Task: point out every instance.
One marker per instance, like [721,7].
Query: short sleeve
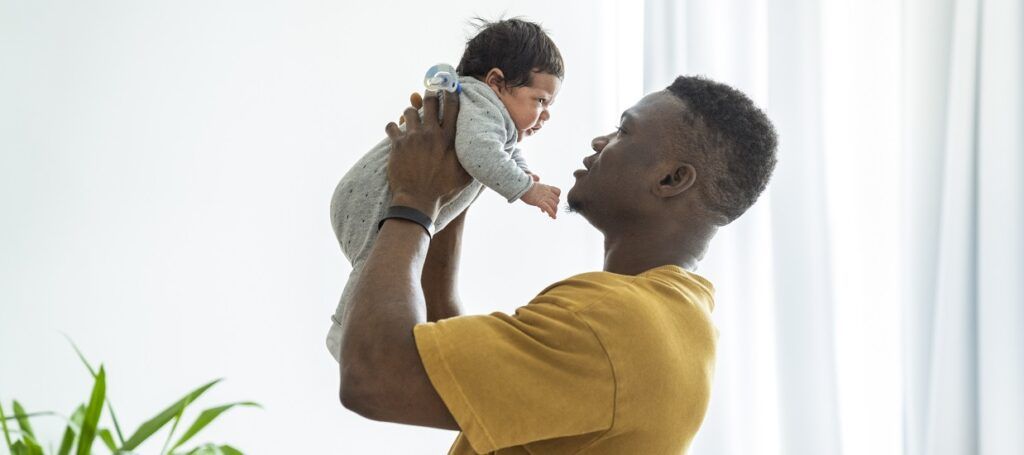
[539,374]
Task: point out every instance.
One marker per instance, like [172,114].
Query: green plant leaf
[108,440]
[80,355]
[68,441]
[3,424]
[110,406]
[32,446]
[22,416]
[36,414]
[153,425]
[206,449]
[206,417]
[174,426]
[92,413]
[198,450]
[228,450]
[212,449]
[117,426]
[19,448]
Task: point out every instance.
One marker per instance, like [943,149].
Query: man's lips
[586,168]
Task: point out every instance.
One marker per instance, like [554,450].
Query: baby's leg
[336,331]
[358,202]
[353,215]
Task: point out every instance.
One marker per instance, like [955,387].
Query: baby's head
[518,60]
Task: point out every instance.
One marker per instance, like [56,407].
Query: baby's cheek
[523,121]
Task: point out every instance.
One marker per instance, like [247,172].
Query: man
[611,362]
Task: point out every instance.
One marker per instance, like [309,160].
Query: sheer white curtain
[873,301]
[965,227]
[775,389]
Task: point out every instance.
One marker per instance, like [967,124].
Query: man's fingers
[557,191]
[392,130]
[412,119]
[451,113]
[416,101]
[430,104]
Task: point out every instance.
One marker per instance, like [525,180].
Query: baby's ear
[495,78]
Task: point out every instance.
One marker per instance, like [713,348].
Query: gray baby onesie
[485,142]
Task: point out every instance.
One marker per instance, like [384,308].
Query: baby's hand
[543,196]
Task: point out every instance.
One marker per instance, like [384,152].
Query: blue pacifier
[442,77]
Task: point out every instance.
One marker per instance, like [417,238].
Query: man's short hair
[734,140]
[516,47]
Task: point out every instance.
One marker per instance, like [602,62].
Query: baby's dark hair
[515,46]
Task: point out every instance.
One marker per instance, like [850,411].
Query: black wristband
[407,213]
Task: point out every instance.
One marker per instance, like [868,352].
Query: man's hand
[423,170]
[416,101]
[543,196]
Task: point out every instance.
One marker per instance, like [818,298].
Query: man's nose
[599,143]
[545,115]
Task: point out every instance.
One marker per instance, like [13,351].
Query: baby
[510,73]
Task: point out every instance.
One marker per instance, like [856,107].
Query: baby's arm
[480,145]
[544,197]
[517,156]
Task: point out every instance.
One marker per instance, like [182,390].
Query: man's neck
[631,253]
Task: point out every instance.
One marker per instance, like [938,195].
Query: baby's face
[528,105]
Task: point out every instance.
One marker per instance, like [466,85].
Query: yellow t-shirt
[600,363]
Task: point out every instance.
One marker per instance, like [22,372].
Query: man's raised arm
[441,271]
[382,376]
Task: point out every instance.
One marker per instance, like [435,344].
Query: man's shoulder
[624,292]
[582,290]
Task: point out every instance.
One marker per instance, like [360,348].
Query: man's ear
[495,79]
[679,179]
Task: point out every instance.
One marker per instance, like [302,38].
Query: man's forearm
[440,306]
[382,376]
[386,304]
[440,272]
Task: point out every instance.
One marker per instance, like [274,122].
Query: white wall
[165,173]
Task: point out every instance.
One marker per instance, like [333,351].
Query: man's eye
[620,130]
